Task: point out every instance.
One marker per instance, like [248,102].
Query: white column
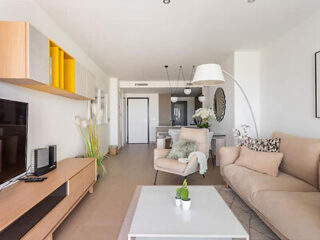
[114,110]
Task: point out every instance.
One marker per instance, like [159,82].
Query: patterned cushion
[182,149]
[262,145]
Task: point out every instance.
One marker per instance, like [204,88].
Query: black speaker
[45,160]
[53,156]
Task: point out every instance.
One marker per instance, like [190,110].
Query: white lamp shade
[208,75]
[201,98]
[187,91]
[174,99]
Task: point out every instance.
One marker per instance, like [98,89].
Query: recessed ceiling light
[166,1]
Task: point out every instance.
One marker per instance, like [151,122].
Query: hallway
[100,215]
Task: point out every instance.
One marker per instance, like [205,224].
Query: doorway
[137,120]
[179,113]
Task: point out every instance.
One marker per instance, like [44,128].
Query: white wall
[190,108]
[51,118]
[114,111]
[287,86]
[153,111]
[247,73]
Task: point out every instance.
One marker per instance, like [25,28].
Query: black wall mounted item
[45,160]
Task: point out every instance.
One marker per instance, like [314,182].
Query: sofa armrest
[228,155]
[159,153]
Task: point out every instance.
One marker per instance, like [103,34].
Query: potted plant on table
[182,196]
[178,197]
[203,117]
[185,200]
[88,129]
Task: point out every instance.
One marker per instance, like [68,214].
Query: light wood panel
[18,198]
[13,50]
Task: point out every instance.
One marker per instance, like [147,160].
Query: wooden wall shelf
[29,59]
[15,200]
[32,84]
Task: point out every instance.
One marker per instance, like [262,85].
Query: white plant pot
[178,202]
[186,204]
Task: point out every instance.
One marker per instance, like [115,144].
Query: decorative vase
[186,204]
[113,150]
[178,201]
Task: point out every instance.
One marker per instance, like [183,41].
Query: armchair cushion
[198,135]
[171,165]
[182,149]
[158,154]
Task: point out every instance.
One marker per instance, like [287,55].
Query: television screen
[13,138]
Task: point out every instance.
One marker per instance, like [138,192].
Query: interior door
[138,120]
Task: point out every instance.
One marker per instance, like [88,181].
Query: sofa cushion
[247,182]
[264,162]
[301,157]
[263,144]
[295,214]
[171,165]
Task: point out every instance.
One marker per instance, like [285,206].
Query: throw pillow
[182,149]
[264,162]
[262,145]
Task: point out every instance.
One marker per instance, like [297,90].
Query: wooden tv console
[75,176]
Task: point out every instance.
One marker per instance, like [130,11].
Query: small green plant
[185,184]
[178,193]
[184,191]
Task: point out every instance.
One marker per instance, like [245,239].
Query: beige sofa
[289,203]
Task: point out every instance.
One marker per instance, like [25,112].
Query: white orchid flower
[84,123]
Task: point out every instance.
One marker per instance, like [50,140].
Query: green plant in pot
[178,197]
[89,133]
[186,201]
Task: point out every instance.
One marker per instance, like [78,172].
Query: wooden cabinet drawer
[76,185]
[89,175]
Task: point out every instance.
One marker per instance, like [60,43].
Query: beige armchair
[162,163]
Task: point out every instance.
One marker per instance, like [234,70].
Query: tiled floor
[100,215]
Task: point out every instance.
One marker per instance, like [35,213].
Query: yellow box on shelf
[62,68]
[54,53]
[69,66]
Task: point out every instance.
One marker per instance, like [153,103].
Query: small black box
[45,160]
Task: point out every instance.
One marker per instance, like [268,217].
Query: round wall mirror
[219,104]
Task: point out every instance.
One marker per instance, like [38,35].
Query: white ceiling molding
[155,84]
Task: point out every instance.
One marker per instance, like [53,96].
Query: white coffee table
[157,217]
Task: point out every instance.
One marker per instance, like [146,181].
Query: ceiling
[134,39]
[178,92]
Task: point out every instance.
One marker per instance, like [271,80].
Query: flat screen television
[13,139]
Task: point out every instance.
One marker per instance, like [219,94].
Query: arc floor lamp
[211,75]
